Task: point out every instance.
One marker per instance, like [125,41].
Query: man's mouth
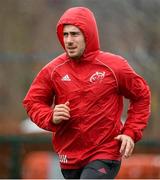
[71,48]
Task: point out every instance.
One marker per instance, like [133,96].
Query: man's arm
[134,88]
[39,99]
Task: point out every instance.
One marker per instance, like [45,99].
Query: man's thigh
[71,173]
[101,169]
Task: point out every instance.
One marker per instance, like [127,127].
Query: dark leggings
[98,169]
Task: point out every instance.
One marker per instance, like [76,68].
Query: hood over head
[82,18]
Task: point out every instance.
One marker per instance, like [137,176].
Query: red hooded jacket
[95,88]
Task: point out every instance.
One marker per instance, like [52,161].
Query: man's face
[74,41]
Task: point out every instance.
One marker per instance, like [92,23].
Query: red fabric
[84,19]
[95,87]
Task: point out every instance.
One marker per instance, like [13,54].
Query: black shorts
[98,169]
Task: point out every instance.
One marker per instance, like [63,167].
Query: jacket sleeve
[134,88]
[39,99]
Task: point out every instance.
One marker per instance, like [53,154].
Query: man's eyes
[71,33]
[65,34]
[75,33]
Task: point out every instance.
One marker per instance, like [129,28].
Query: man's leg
[71,173]
[101,169]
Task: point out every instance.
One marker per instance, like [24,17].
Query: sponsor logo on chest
[66,78]
[97,76]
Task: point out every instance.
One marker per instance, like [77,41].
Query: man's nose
[69,39]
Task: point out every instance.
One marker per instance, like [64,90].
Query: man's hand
[61,112]
[127,145]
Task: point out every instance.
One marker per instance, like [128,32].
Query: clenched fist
[61,112]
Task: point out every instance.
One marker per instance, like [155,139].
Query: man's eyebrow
[72,31]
